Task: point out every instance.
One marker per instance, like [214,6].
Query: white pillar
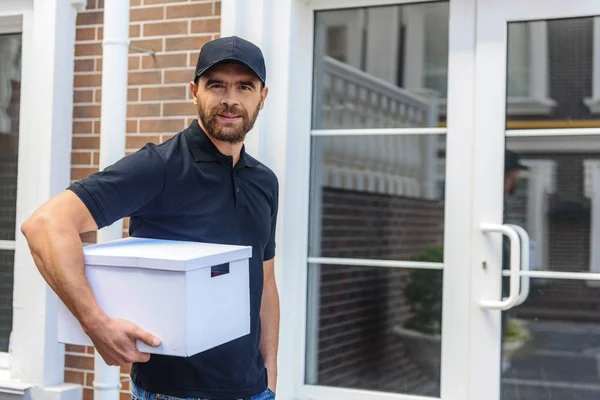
[115,55]
[44,171]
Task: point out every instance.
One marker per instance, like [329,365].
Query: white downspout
[115,56]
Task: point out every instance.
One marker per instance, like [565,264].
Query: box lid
[168,255]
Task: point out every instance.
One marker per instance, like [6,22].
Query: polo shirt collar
[204,149]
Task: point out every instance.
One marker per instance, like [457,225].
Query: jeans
[137,393]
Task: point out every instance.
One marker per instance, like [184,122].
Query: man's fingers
[146,337]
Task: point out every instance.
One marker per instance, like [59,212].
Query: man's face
[510,182]
[229,98]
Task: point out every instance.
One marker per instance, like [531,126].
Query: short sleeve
[269,252]
[131,186]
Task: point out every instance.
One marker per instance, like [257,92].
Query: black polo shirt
[185,189]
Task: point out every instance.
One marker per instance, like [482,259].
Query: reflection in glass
[381,67]
[551,348]
[552,341]
[377,197]
[6,290]
[10,90]
[376,328]
[553,79]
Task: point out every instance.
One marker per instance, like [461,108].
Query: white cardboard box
[166,288]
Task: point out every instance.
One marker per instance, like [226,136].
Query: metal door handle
[525,261]
[515,267]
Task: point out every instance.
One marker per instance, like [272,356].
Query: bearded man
[199,186]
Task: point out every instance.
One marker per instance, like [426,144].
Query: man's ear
[194,91]
[263,96]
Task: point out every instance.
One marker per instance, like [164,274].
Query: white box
[166,288]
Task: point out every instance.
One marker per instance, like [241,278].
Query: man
[512,167]
[201,186]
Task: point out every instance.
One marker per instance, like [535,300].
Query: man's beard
[231,132]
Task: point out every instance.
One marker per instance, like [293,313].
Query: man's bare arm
[269,317]
[52,233]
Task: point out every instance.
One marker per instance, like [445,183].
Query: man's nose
[230,98]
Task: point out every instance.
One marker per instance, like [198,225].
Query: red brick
[134,30]
[135,3]
[143,110]
[132,126]
[74,377]
[148,44]
[89,379]
[179,109]
[82,127]
[126,369]
[91,4]
[81,159]
[164,61]
[97,126]
[90,349]
[78,173]
[100,4]
[164,93]
[98,96]
[134,62]
[95,158]
[91,143]
[88,49]
[145,78]
[161,125]
[88,237]
[132,94]
[151,2]
[88,394]
[86,112]
[79,362]
[90,18]
[147,14]
[186,43]
[124,396]
[83,96]
[100,33]
[137,141]
[74,348]
[211,25]
[85,34]
[125,226]
[165,28]
[86,65]
[179,76]
[88,80]
[218,8]
[190,11]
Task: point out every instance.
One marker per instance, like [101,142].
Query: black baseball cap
[231,48]
[512,162]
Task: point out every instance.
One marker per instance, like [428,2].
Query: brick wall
[359,306]
[159,102]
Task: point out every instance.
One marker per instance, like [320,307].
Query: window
[10,73]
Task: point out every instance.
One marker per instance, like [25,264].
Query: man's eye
[245,87]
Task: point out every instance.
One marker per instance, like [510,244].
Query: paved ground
[561,363]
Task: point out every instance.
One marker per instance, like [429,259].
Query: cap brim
[209,66]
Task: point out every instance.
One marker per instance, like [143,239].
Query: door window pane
[551,343]
[551,67]
[381,67]
[10,77]
[377,197]
[376,328]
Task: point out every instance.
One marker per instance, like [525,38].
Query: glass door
[535,268]
[386,299]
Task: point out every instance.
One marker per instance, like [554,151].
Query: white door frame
[488,172]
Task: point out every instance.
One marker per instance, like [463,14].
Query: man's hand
[115,340]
